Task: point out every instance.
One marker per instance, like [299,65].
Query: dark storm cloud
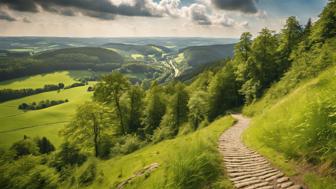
[7,17]
[20,5]
[103,9]
[246,6]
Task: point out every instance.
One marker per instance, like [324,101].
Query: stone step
[255,186]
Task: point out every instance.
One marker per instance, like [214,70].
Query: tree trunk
[120,116]
[96,134]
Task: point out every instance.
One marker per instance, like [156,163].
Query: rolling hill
[198,55]
[84,54]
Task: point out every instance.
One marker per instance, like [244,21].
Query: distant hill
[145,50]
[84,54]
[198,55]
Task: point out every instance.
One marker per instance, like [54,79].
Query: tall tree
[325,27]
[90,124]
[290,36]
[264,54]
[110,90]
[223,91]
[135,104]
[177,109]
[154,109]
[198,108]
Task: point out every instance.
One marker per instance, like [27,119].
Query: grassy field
[45,122]
[298,132]
[38,81]
[189,157]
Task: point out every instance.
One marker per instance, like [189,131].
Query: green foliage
[325,27]
[110,90]
[301,125]
[134,106]
[45,146]
[91,123]
[290,36]
[25,146]
[89,175]
[196,167]
[27,172]
[223,92]
[41,105]
[126,144]
[198,108]
[177,109]
[154,109]
[69,154]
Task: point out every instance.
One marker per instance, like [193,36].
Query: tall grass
[302,126]
[197,166]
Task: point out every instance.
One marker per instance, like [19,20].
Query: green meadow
[45,122]
[38,81]
[188,161]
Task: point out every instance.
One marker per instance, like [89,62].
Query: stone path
[246,168]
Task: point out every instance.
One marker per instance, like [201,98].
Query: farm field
[45,122]
[38,81]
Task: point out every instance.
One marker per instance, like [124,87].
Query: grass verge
[189,161]
[298,132]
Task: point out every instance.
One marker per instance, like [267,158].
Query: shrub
[70,154]
[126,144]
[196,167]
[25,146]
[162,133]
[89,175]
[45,146]
[104,148]
[41,105]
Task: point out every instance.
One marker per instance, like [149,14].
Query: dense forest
[124,117]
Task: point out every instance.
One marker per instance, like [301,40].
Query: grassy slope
[38,81]
[45,122]
[278,132]
[164,153]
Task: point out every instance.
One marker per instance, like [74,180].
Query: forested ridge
[124,117]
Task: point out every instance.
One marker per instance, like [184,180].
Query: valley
[86,102]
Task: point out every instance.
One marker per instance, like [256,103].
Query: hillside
[82,54]
[300,127]
[142,49]
[198,55]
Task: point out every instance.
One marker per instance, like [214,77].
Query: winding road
[246,168]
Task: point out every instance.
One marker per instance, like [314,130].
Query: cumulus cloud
[96,8]
[246,6]
[200,12]
[6,16]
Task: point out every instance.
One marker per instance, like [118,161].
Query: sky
[150,18]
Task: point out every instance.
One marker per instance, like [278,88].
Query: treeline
[10,94]
[11,68]
[41,105]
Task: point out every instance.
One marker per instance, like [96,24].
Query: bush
[197,166]
[162,133]
[25,146]
[27,172]
[41,105]
[89,175]
[71,155]
[126,144]
[45,146]
[104,148]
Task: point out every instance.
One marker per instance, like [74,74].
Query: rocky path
[246,168]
